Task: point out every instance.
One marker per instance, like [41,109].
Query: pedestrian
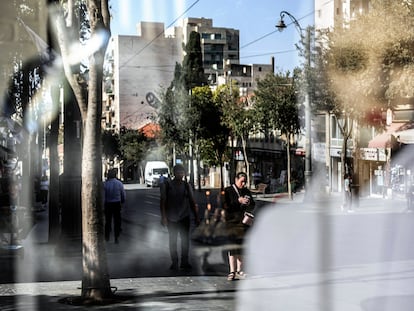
[114,198]
[10,204]
[162,179]
[237,200]
[177,201]
[44,190]
[348,193]
[257,178]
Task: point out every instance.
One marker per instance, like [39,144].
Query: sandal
[231,276]
[240,275]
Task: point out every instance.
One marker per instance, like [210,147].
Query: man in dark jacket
[176,203]
[114,198]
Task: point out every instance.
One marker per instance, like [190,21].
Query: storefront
[374,170]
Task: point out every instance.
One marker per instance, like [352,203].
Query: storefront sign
[382,155]
[336,153]
[369,154]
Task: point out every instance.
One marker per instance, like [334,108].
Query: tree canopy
[276,103]
[370,63]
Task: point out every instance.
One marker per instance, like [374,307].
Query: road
[142,250]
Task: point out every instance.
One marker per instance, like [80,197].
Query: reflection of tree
[366,68]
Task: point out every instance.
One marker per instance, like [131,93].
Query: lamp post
[308,143]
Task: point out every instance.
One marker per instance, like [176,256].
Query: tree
[132,144]
[212,134]
[171,114]
[277,109]
[193,70]
[177,117]
[236,116]
[366,67]
[193,75]
[95,279]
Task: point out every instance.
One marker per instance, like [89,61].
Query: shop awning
[405,137]
[383,140]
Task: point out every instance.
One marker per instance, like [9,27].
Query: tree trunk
[95,281]
[289,186]
[95,277]
[246,161]
[54,172]
[343,154]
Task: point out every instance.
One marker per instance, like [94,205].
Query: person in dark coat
[177,202]
[238,200]
[114,198]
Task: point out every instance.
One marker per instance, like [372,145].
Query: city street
[299,254]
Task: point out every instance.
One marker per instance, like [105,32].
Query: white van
[153,172]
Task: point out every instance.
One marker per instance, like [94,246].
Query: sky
[256,20]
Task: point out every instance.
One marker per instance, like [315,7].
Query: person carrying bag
[238,204]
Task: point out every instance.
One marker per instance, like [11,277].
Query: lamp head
[281,25]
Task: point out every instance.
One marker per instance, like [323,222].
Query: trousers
[180,228]
[112,212]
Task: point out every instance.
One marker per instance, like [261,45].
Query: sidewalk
[167,293]
[331,203]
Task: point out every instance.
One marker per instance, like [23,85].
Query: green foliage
[276,104]
[350,59]
[180,114]
[193,70]
[170,117]
[369,65]
[133,145]
[110,144]
[236,114]
[211,132]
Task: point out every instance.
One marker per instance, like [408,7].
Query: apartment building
[143,65]
[336,13]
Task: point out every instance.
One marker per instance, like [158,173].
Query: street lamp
[308,144]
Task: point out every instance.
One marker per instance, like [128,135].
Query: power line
[160,34]
[272,32]
[270,53]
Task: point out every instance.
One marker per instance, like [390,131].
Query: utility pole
[308,119]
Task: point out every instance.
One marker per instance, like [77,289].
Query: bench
[261,189]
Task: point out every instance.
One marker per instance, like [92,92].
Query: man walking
[114,198]
[348,192]
[176,203]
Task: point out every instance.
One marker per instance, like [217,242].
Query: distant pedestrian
[114,198]
[44,190]
[238,200]
[257,178]
[348,192]
[177,201]
[162,179]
